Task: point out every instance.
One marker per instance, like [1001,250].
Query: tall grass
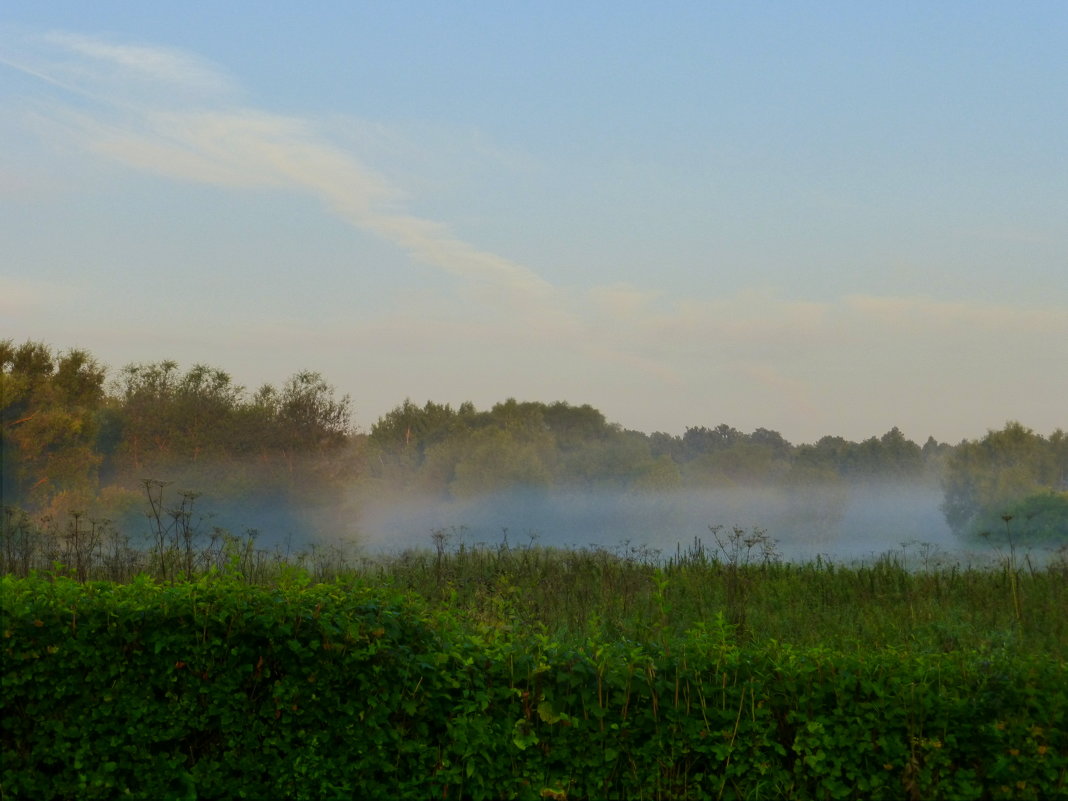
[631,593]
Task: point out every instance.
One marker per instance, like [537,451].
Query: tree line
[72,438]
[464,451]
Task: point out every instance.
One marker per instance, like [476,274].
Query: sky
[818,218]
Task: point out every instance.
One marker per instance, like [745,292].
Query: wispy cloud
[96,67]
[204,140]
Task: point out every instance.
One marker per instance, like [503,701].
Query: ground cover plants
[493,671]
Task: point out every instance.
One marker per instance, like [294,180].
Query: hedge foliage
[217,689]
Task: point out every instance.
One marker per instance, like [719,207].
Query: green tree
[205,403]
[575,426]
[726,456]
[411,427]
[899,456]
[145,396]
[498,458]
[309,414]
[700,440]
[985,479]
[403,440]
[668,445]
[163,422]
[773,441]
[1038,518]
[1058,444]
[618,460]
[49,405]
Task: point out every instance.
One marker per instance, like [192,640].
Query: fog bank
[839,523]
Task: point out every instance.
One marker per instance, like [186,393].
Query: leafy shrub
[1041,518]
[218,689]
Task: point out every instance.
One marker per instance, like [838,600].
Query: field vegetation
[907,599]
[526,672]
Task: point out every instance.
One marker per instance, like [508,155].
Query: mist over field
[181,460]
[842,523]
[839,523]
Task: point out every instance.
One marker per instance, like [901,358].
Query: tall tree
[984,479]
[310,416]
[49,406]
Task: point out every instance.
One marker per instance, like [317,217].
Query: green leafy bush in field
[1038,518]
[219,689]
[227,688]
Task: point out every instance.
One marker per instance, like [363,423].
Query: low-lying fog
[842,524]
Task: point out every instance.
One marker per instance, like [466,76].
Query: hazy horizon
[843,523]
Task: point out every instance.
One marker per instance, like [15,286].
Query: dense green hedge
[218,689]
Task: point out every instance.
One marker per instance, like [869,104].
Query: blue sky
[821,218]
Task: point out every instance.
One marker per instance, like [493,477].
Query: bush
[218,689]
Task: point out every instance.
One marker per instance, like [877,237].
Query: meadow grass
[626,593]
[580,593]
